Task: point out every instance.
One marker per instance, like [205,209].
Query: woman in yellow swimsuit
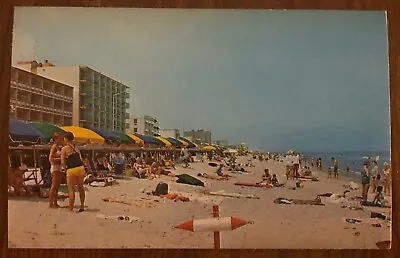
[71,161]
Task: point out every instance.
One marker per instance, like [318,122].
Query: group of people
[293,164]
[375,181]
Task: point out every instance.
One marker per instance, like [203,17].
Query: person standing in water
[55,169]
[71,161]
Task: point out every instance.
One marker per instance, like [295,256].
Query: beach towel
[372,222]
[128,219]
[210,176]
[189,180]
[316,201]
[213,164]
[176,197]
[253,184]
[233,195]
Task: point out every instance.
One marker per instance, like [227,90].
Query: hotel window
[135,130]
[135,121]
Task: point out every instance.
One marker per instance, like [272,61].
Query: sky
[276,80]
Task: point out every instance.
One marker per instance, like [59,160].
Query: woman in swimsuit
[55,169]
[365,181]
[71,161]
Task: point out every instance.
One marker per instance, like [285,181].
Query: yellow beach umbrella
[290,152]
[377,158]
[189,142]
[135,138]
[165,141]
[183,142]
[83,135]
[209,148]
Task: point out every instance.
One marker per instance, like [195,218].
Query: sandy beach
[33,225]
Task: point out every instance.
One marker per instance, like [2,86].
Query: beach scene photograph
[191,128]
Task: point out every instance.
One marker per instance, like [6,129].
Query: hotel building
[35,98]
[99,101]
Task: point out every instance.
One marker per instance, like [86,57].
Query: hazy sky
[308,80]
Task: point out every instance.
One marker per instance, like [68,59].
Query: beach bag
[189,180]
[161,189]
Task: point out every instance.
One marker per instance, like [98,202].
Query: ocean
[352,159]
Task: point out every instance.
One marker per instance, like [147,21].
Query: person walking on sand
[365,181]
[374,175]
[55,169]
[71,161]
[335,168]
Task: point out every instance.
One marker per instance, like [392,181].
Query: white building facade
[145,125]
[174,133]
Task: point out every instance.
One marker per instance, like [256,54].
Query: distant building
[174,133]
[36,98]
[98,100]
[199,136]
[145,125]
[223,143]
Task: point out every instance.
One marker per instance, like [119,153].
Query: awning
[47,130]
[190,143]
[83,135]
[135,138]
[21,132]
[149,139]
[165,141]
[209,148]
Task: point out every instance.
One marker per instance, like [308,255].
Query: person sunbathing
[140,167]
[220,173]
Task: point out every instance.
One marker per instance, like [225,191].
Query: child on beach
[275,182]
[329,172]
[379,197]
[266,178]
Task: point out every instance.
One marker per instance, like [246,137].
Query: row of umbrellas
[41,133]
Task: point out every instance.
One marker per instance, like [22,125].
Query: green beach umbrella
[47,130]
[124,138]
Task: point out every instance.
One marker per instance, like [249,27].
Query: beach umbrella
[135,138]
[183,142]
[107,135]
[209,148]
[47,130]
[165,141]
[21,132]
[84,135]
[124,138]
[149,139]
[174,141]
[190,143]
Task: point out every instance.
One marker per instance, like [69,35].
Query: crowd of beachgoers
[197,179]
